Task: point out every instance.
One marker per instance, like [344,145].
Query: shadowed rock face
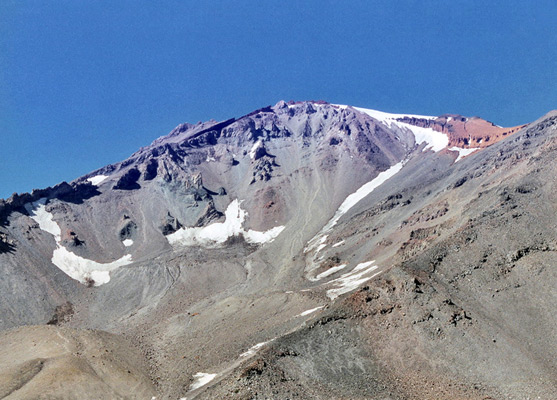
[434,273]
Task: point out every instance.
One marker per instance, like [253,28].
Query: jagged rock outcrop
[349,258]
[128,181]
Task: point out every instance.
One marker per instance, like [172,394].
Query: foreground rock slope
[305,250]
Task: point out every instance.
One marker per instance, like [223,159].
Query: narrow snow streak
[76,267]
[97,180]
[462,152]
[253,349]
[310,311]
[363,191]
[315,243]
[218,232]
[330,271]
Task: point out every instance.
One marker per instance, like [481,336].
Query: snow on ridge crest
[97,180]
[217,233]
[436,141]
[383,116]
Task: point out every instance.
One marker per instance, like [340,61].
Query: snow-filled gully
[361,273]
[76,267]
[317,243]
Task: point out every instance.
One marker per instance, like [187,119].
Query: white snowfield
[127,242]
[435,140]
[218,232]
[462,152]
[76,267]
[97,180]
[352,280]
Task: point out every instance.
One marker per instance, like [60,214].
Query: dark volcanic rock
[151,170]
[170,225]
[128,181]
[127,229]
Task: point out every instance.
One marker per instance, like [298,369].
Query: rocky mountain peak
[333,241]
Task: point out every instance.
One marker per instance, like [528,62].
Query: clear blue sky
[86,83]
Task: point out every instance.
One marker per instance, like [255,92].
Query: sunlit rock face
[292,245]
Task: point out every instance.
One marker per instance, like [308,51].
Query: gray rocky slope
[439,283]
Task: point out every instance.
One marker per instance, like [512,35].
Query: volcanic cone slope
[305,250]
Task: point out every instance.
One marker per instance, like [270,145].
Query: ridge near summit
[352,253]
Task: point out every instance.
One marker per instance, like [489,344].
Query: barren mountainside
[303,251]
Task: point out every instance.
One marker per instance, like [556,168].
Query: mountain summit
[304,250]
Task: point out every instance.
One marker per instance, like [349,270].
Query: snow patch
[352,280]
[319,244]
[97,180]
[209,159]
[219,232]
[330,271]
[37,212]
[436,141]
[463,152]
[338,243]
[258,237]
[82,269]
[310,311]
[201,379]
[254,148]
[76,267]
[321,247]
[127,242]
